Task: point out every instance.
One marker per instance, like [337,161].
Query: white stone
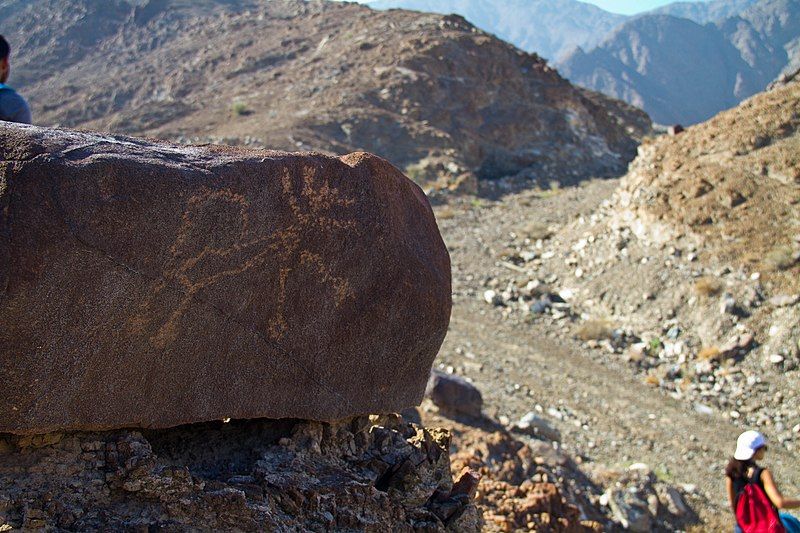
[492,297]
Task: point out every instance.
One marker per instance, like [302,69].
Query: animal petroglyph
[198,261]
[153,286]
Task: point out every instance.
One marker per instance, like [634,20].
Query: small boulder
[536,426]
[454,394]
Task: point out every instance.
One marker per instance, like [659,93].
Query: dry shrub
[536,231]
[445,213]
[709,353]
[595,330]
[707,287]
[239,109]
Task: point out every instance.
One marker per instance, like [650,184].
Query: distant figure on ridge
[752,493]
[13,107]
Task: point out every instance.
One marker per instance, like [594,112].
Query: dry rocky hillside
[437,97]
[607,342]
[648,319]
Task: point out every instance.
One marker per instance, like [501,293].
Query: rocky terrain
[443,101]
[608,340]
[361,474]
[554,28]
[644,324]
[682,71]
[682,63]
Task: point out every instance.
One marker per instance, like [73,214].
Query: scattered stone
[776,359]
[492,297]
[536,426]
[540,306]
[454,394]
[727,304]
[674,130]
[784,300]
[631,512]
[703,409]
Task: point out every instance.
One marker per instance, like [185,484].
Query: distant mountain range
[704,12]
[682,72]
[682,63]
[551,28]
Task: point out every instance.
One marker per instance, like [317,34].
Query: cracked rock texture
[148,285]
[359,474]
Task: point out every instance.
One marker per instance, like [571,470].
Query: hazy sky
[628,7]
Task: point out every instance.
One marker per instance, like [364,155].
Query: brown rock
[148,285]
[454,394]
[467,483]
[231,477]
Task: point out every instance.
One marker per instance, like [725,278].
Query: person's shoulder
[10,96]
[13,106]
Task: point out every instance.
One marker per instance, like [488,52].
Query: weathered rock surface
[146,285]
[361,474]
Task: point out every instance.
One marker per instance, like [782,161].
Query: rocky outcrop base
[366,474]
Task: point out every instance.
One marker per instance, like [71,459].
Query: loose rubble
[529,483]
[691,313]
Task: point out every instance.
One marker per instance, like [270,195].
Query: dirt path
[605,413]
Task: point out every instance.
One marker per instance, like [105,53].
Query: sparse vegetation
[709,353]
[654,346]
[707,287]
[416,173]
[595,330]
[652,380]
[239,109]
[445,213]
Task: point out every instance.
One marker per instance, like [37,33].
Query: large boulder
[149,285]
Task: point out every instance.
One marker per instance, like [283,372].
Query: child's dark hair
[4,48]
[737,469]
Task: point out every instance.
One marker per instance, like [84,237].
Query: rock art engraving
[151,285]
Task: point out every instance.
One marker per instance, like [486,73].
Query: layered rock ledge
[360,474]
[148,285]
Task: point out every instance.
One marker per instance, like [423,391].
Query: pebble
[776,359]
[784,300]
[727,304]
[492,297]
[703,409]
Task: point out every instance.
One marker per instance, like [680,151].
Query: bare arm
[775,495]
[731,493]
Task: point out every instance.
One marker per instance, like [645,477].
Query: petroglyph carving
[151,286]
[312,202]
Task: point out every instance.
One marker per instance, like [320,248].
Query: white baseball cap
[747,444]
